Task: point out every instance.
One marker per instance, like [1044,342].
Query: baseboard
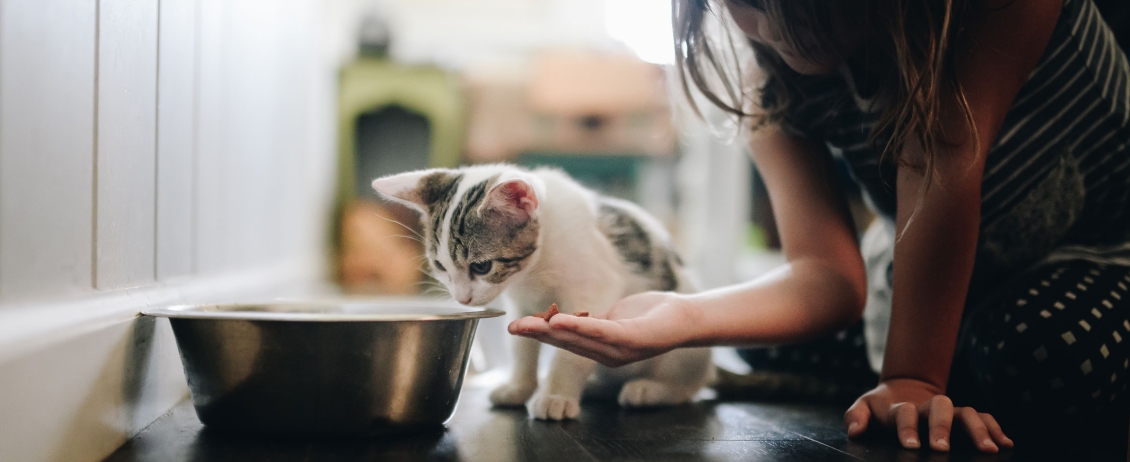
[79,378]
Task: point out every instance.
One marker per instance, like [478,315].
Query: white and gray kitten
[539,237]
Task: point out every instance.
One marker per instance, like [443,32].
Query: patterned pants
[1048,351]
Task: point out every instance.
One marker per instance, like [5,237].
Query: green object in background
[370,84]
[614,175]
[756,238]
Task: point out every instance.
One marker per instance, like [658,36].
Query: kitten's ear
[409,188]
[514,197]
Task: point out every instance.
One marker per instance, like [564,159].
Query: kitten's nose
[465,299]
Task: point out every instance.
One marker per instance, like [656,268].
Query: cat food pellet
[582,314]
[547,314]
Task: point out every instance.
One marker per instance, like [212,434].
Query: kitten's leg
[523,377]
[560,397]
[675,377]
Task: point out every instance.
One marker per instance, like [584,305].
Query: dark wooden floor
[704,431]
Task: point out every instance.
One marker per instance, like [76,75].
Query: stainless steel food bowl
[333,369]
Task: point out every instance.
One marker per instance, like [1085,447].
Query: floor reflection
[703,431]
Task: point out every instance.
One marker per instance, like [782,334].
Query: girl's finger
[939,415]
[995,430]
[977,430]
[582,350]
[905,417]
[528,324]
[596,329]
[598,351]
[566,340]
[857,417]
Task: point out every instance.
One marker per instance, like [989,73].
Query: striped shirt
[1058,174]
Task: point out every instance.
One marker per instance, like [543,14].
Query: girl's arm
[935,253]
[820,289]
[823,285]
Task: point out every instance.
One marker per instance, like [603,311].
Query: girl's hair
[907,46]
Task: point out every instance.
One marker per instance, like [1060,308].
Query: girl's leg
[833,368]
[1051,352]
[842,354]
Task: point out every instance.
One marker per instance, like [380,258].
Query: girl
[991,137]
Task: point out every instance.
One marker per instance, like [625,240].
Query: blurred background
[584,85]
[156,141]
[587,86]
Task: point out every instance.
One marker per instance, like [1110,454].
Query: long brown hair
[908,48]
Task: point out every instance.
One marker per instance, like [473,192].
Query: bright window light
[644,26]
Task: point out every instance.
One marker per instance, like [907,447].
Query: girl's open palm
[635,328]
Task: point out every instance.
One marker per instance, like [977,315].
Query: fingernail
[852,427]
[912,443]
[942,443]
[987,442]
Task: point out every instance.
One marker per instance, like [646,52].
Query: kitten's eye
[439,265]
[480,267]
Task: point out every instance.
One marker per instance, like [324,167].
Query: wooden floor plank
[703,431]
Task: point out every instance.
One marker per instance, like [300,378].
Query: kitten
[540,237]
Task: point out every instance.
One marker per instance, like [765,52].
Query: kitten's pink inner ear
[514,195]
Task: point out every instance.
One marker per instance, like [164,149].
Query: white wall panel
[211,150]
[311,106]
[96,391]
[176,142]
[47,70]
[255,138]
[211,129]
[143,139]
[126,159]
[315,174]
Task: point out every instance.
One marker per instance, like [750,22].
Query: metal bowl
[340,369]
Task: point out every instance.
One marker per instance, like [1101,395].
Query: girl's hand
[902,403]
[635,328]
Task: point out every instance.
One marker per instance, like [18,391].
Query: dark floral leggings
[1049,351]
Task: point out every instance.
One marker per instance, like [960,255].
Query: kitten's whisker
[402,225]
[432,283]
[403,236]
[434,291]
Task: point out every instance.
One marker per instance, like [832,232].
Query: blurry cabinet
[376,90]
[570,102]
[391,118]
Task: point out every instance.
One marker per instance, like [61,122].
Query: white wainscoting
[151,152]
[176,137]
[125,144]
[47,65]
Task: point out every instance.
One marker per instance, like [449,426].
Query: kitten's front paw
[511,394]
[651,393]
[553,407]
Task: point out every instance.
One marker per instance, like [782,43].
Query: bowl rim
[231,311]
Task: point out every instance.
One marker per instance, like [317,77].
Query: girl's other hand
[902,403]
[635,328]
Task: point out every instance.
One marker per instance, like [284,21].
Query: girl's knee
[1056,346]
